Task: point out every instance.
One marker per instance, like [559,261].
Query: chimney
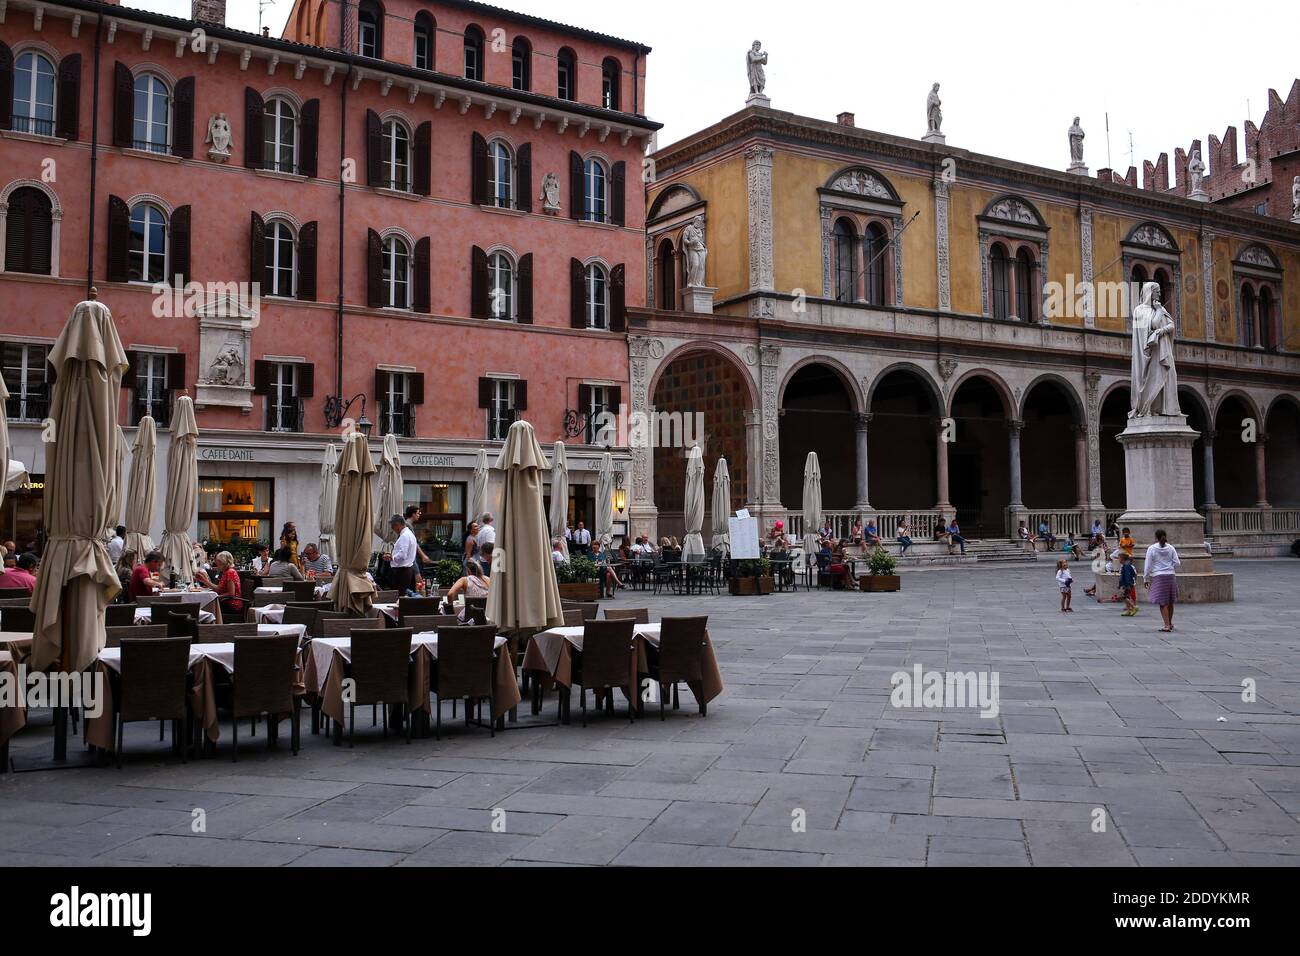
[845,119]
[208,11]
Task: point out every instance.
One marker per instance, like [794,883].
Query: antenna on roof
[262,5]
[1130,147]
[1108,165]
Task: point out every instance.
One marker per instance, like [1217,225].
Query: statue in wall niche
[219,136]
[696,251]
[1076,143]
[1295,198]
[1195,171]
[755,60]
[228,367]
[551,193]
[933,113]
[1154,383]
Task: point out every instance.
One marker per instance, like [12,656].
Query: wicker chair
[154,683]
[381,662]
[573,617]
[465,665]
[146,600]
[181,625]
[344,626]
[431,622]
[315,605]
[10,593]
[386,597]
[263,684]
[475,616]
[681,657]
[639,614]
[221,633]
[603,663]
[292,590]
[22,619]
[589,609]
[120,615]
[113,636]
[306,616]
[407,606]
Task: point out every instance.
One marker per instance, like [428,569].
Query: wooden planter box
[587,591]
[880,582]
[745,586]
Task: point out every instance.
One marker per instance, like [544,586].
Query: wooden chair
[265,669]
[386,597]
[344,626]
[407,606]
[221,633]
[465,665]
[420,623]
[155,673]
[682,641]
[639,614]
[120,615]
[21,619]
[603,662]
[381,662]
[113,636]
[9,593]
[573,617]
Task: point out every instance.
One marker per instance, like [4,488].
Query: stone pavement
[1101,718]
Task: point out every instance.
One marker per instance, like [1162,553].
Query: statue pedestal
[758,99]
[1158,476]
[936,138]
[1200,195]
[1078,169]
[698,298]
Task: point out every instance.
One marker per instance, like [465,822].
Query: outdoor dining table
[13,707]
[17,643]
[204,598]
[551,652]
[326,660]
[321,590]
[144,615]
[203,699]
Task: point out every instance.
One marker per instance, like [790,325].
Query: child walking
[1128,580]
[1064,579]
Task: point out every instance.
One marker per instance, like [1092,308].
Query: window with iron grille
[595,193]
[396,414]
[152,395]
[283,407]
[599,399]
[502,412]
[33,99]
[24,374]
[501,175]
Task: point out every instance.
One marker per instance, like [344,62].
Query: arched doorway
[707,393]
[901,442]
[979,465]
[1283,454]
[817,414]
[1048,449]
[1113,420]
[1234,458]
[666,268]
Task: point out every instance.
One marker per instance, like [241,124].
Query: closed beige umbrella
[560,496]
[478,488]
[4,441]
[77,579]
[329,495]
[812,503]
[181,507]
[693,543]
[117,493]
[352,590]
[604,519]
[390,491]
[140,489]
[721,505]
[523,592]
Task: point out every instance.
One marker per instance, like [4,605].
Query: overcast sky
[1013,75]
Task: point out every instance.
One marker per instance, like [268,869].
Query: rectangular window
[22,519]
[24,374]
[472,67]
[442,519]
[518,71]
[598,402]
[236,510]
[565,81]
[423,50]
[152,396]
[369,39]
[1262,208]
[501,413]
[396,414]
[283,406]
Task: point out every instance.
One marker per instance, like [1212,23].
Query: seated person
[941,533]
[855,533]
[904,535]
[229,589]
[954,536]
[486,550]
[1067,545]
[1025,534]
[557,553]
[263,559]
[869,536]
[314,563]
[839,567]
[145,578]
[1045,532]
[22,574]
[282,566]
[473,585]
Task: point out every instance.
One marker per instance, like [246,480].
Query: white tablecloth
[269,614]
[222,653]
[649,631]
[203,598]
[144,615]
[323,648]
[321,590]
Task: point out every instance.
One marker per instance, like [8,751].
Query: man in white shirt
[402,559]
[117,543]
[262,563]
[582,539]
[487,532]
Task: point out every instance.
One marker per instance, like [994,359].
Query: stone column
[642,513]
[1014,427]
[770,385]
[1261,472]
[941,242]
[863,502]
[1085,251]
[1207,448]
[941,468]
[753,459]
[758,188]
[1081,466]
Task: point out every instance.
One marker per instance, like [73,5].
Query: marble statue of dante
[1154,380]
[1195,170]
[755,60]
[1295,198]
[1076,142]
[696,251]
[933,115]
[219,134]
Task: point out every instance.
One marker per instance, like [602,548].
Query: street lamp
[620,494]
[336,410]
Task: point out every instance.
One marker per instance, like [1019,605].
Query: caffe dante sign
[226,454]
[433,461]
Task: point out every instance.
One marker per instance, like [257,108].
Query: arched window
[396,156]
[874,244]
[152,114]
[370,29]
[280,136]
[397,272]
[148,257]
[1265,306]
[29,232]
[1000,268]
[33,100]
[1139,276]
[596,283]
[1249,315]
[521,66]
[473,53]
[1161,278]
[501,287]
[1026,285]
[610,72]
[501,175]
[595,191]
[280,271]
[846,240]
[567,75]
[667,276]
[424,33]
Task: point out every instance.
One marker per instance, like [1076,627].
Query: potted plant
[447,571]
[751,576]
[579,579]
[881,576]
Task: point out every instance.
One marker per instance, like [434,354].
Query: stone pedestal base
[1158,476]
[758,99]
[698,298]
[1200,195]
[1078,169]
[936,138]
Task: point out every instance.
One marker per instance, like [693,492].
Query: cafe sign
[226,454]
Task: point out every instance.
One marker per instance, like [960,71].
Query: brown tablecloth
[551,653]
[17,643]
[12,718]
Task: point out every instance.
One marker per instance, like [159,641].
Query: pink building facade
[429,214]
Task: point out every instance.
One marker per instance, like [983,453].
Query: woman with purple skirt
[1159,579]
